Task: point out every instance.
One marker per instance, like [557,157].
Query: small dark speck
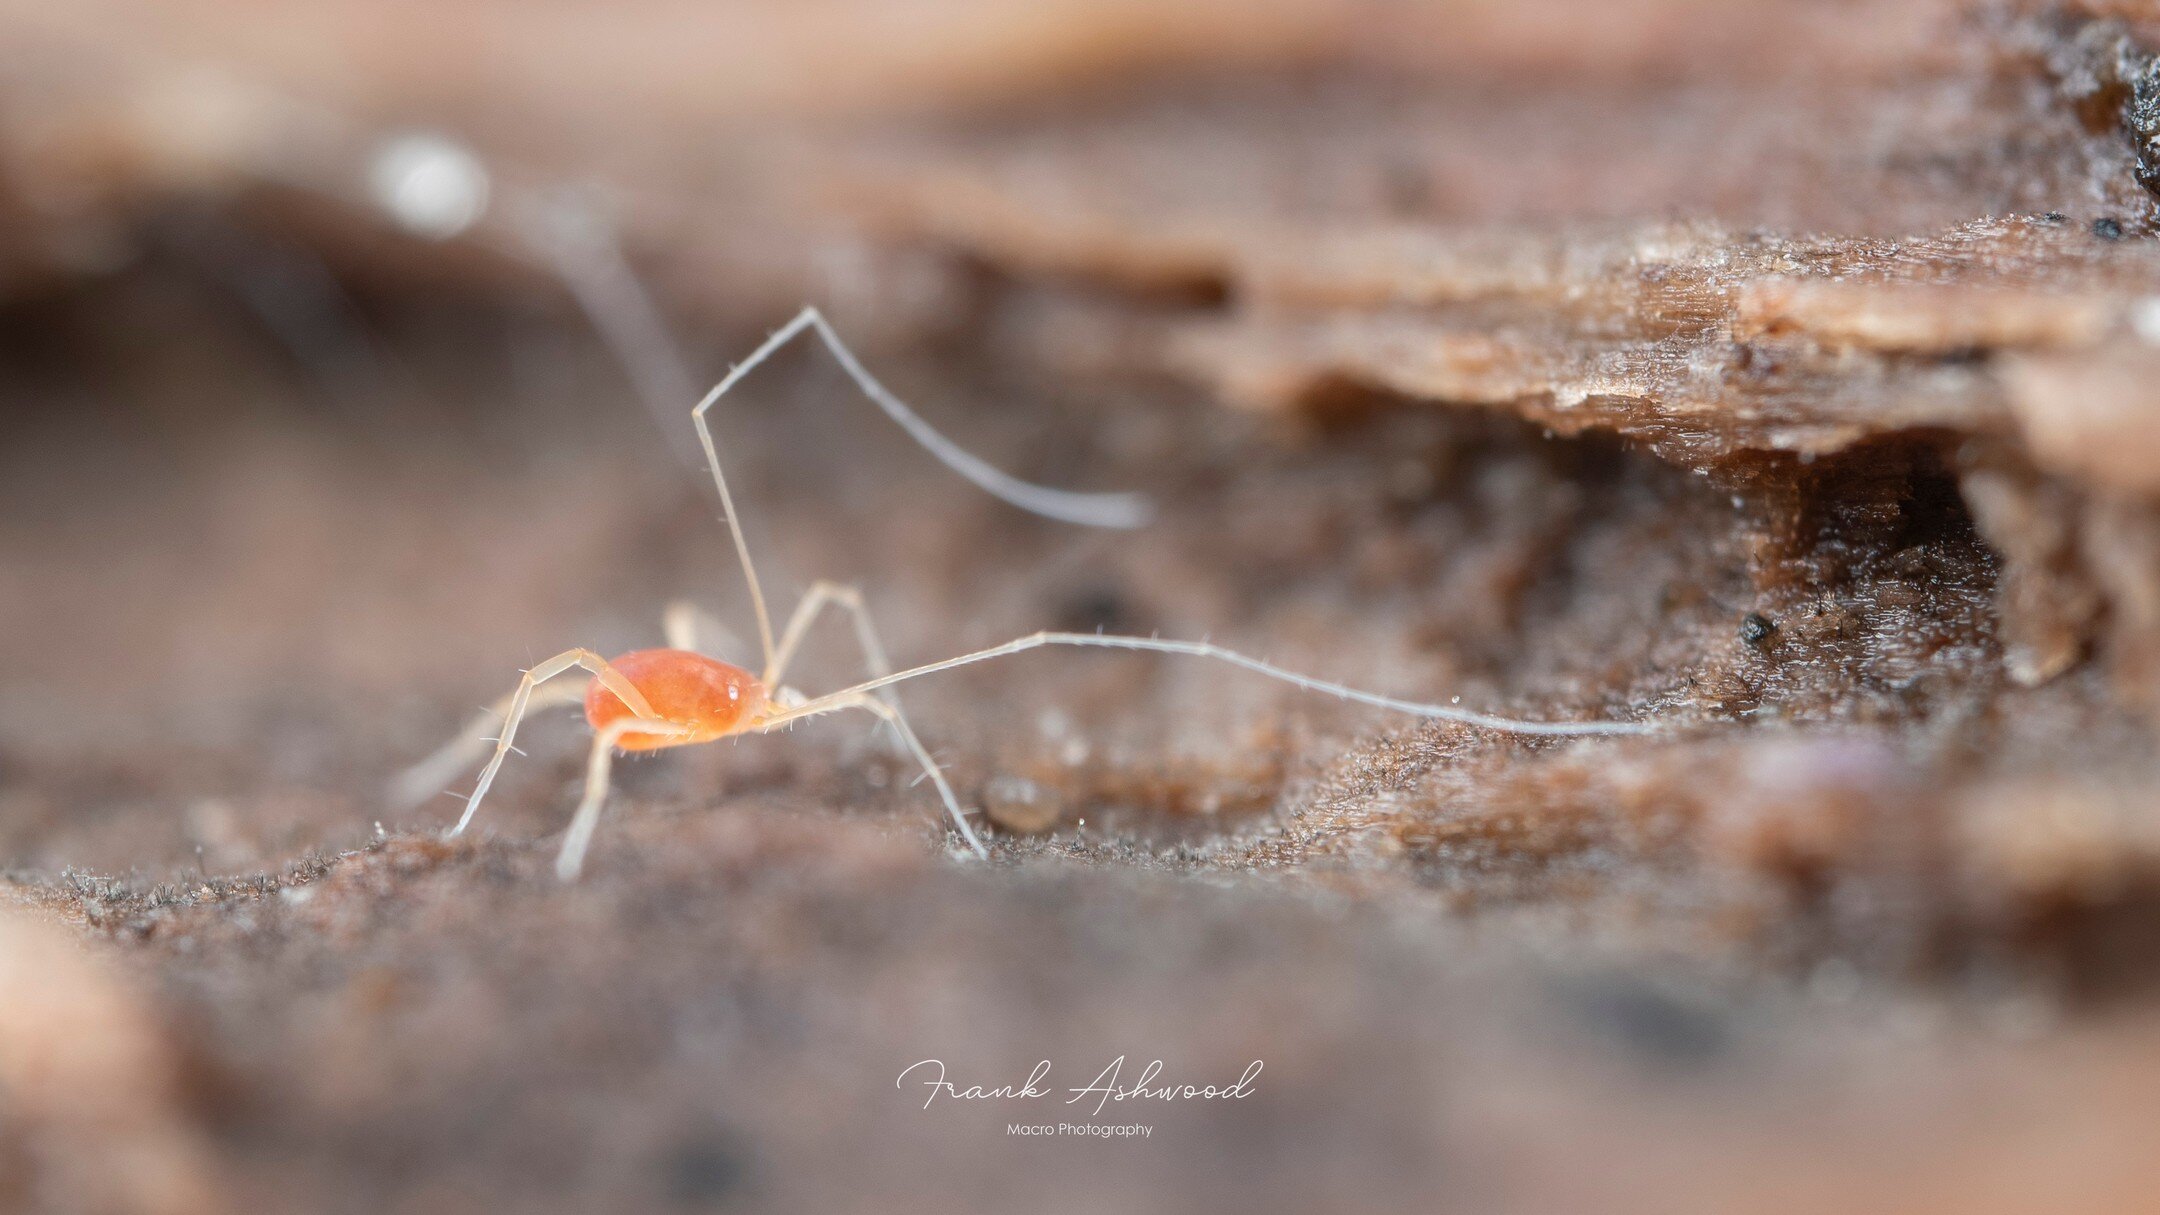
[1098,606]
[704,1173]
[1755,628]
[2107,229]
[1656,1027]
[2055,217]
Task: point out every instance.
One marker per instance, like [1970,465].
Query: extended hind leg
[894,718]
[521,703]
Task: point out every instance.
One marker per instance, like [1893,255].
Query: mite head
[707,697]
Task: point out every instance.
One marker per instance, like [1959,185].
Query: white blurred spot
[1053,724]
[432,186]
[2145,319]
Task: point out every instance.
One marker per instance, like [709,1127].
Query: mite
[649,700]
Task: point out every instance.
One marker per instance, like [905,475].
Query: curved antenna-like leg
[893,717]
[578,241]
[1094,510]
[571,859]
[846,697]
[521,702]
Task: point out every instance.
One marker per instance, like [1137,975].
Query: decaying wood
[1787,374]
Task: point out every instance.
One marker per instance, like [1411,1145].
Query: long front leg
[521,702]
[1093,510]
[427,778]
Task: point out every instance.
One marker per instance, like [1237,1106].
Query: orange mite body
[710,697]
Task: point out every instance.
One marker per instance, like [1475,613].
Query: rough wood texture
[1781,372]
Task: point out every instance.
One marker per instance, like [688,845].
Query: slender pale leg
[521,701]
[579,242]
[893,718]
[572,857]
[827,593]
[433,775]
[822,594]
[848,697]
[1093,510]
[687,627]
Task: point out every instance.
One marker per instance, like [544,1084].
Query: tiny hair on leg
[431,777]
[1202,649]
[839,701]
[520,703]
